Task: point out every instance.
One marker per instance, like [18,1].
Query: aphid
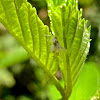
[55,48]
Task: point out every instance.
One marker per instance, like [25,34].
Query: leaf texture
[74,37]
[22,21]
[72,43]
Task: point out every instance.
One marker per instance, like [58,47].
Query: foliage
[11,52]
[71,37]
[86,85]
[88,82]
[97,96]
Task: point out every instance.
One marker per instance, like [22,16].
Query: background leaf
[87,84]
[85,87]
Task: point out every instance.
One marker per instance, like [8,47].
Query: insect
[55,48]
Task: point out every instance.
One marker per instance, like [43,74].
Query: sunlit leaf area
[31,68]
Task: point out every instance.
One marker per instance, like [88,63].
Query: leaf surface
[70,44]
[22,21]
[73,36]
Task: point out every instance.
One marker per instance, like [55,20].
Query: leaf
[70,41]
[86,87]
[4,80]
[22,21]
[87,83]
[13,57]
[73,36]
[96,96]
[24,24]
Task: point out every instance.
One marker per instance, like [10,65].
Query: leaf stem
[52,78]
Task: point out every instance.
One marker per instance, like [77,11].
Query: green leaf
[86,87]
[96,96]
[70,41]
[87,83]
[22,22]
[73,36]
[4,80]
[13,57]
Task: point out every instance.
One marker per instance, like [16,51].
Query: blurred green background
[22,79]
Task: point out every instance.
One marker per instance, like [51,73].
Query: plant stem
[65,95]
[52,78]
